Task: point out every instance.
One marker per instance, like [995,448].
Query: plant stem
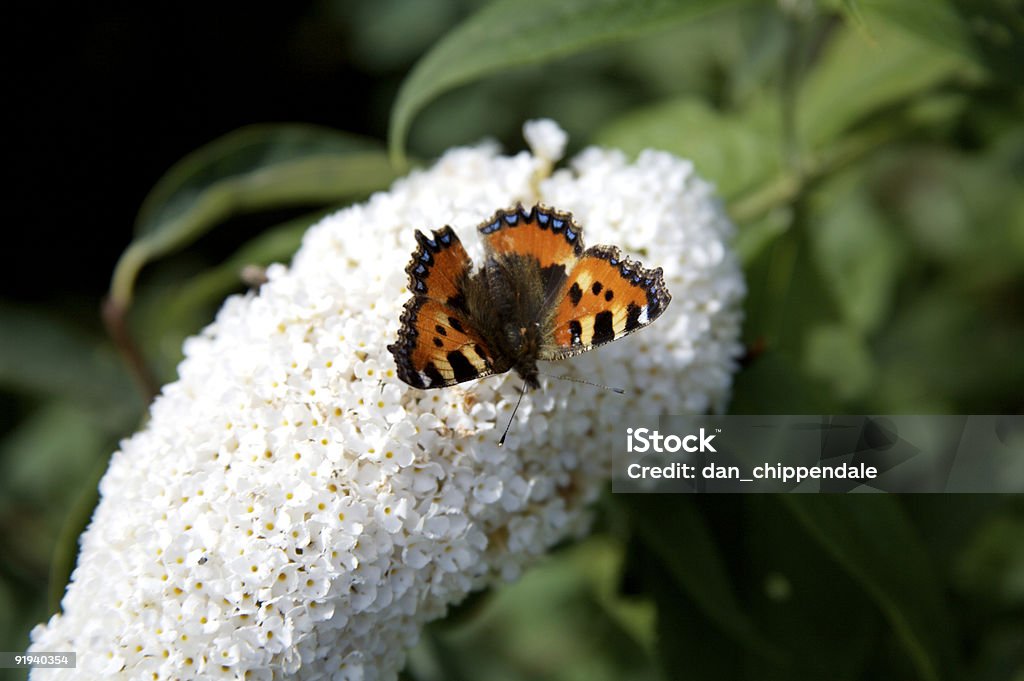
[115,320]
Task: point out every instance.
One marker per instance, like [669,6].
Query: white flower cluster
[292,510]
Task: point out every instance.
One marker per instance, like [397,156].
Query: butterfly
[538,296]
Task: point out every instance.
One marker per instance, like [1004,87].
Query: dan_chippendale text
[815,454]
[687,468]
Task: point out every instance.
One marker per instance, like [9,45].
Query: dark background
[107,96]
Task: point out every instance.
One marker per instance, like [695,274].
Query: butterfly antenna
[510,418]
[619,391]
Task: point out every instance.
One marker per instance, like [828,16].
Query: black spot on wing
[576,331]
[603,330]
[633,317]
[441,330]
[575,293]
[609,294]
[456,324]
[464,370]
[651,281]
[458,302]
[433,374]
[596,288]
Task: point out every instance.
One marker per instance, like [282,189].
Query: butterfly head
[525,342]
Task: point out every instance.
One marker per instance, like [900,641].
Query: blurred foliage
[871,153]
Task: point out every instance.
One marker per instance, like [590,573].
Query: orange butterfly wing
[438,345]
[551,237]
[605,297]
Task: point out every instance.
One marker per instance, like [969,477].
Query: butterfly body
[538,296]
[508,298]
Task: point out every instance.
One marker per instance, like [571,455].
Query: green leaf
[665,523]
[602,562]
[236,153]
[991,566]
[924,365]
[839,356]
[756,236]
[803,600]
[45,356]
[49,453]
[859,76]
[83,505]
[48,463]
[851,11]
[856,251]
[871,538]
[965,210]
[947,524]
[684,641]
[510,33]
[990,32]
[787,296]
[774,383]
[736,151]
[933,20]
[254,168]
[548,615]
